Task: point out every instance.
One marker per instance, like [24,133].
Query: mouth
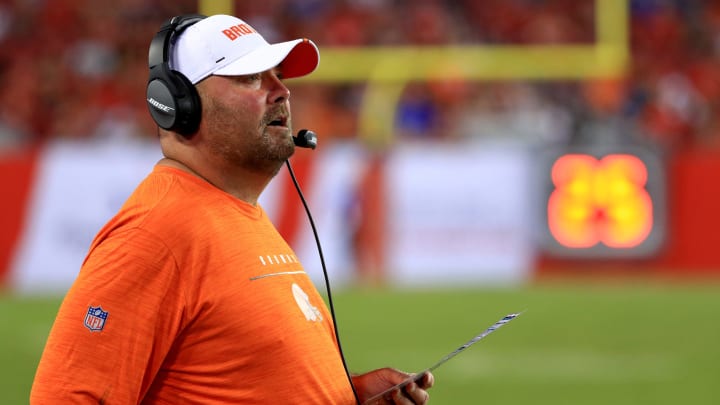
[278,122]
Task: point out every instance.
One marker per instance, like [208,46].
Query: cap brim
[295,58]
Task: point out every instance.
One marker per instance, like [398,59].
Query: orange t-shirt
[190,296]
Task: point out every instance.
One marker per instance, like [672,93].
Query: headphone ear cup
[173,101]
[189,109]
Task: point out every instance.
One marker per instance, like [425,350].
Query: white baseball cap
[224,45]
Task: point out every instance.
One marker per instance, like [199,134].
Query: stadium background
[439,124]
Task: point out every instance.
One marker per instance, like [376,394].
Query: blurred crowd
[78,68]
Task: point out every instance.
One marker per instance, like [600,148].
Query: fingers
[412,394]
[407,389]
[415,393]
[427,380]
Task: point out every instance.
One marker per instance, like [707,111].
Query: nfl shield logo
[95,319]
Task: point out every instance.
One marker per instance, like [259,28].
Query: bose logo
[160,106]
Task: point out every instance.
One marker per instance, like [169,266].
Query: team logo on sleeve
[95,319]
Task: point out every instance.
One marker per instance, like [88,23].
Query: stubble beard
[261,152]
[271,152]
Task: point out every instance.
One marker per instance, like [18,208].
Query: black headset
[172,99]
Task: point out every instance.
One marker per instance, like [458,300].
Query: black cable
[327,279]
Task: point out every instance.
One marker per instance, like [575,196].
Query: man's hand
[375,382]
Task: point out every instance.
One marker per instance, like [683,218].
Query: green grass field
[602,343]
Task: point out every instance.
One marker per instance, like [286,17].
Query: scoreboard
[603,202]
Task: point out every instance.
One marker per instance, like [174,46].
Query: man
[189,295]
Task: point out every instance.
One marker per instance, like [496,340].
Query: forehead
[216,86]
[277,71]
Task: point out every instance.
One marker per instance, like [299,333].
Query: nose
[279,93]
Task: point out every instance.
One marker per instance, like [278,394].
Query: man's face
[246,120]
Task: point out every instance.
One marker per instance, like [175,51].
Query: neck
[244,186]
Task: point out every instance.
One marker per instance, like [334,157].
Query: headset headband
[160,46]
